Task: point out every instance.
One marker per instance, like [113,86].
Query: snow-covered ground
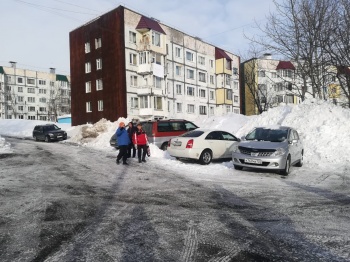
[323,127]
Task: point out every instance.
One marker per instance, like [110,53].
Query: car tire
[301,160]
[206,157]
[36,138]
[238,167]
[47,139]
[164,146]
[285,171]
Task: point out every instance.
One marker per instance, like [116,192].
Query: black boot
[139,160]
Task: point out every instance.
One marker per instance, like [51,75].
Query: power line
[63,2]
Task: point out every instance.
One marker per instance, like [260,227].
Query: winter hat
[121,124]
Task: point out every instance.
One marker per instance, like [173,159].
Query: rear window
[147,127]
[175,126]
[194,133]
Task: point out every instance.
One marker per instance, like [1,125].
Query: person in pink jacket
[140,141]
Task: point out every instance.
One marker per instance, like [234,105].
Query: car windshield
[194,133]
[266,134]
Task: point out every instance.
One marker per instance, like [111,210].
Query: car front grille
[261,152]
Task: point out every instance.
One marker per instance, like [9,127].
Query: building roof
[62,78]
[149,23]
[2,70]
[219,53]
[285,65]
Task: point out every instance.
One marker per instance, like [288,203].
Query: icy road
[61,202]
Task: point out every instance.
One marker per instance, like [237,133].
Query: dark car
[49,132]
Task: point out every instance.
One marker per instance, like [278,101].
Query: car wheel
[36,138]
[205,157]
[47,139]
[164,146]
[301,160]
[286,169]
[238,167]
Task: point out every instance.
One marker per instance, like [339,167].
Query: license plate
[253,161]
[59,136]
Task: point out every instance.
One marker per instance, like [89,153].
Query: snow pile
[5,147]
[323,127]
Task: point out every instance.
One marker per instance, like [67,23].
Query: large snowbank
[323,127]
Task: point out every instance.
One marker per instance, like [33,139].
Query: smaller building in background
[33,95]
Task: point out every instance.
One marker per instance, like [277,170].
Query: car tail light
[169,142]
[189,143]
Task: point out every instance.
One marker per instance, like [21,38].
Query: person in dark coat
[131,131]
[123,143]
[140,141]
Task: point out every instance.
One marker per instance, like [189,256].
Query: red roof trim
[285,65]
[149,23]
[219,53]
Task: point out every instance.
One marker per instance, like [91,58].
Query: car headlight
[279,152]
[236,149]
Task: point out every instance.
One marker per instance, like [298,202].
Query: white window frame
[20,89]
[100,105]
[178,52]
[190,108]
[99,84]
[202,93]
[157,82]
[88,107]
[178,70]
[144,102]
[98,42]
[190,73]
[87,47]
[158,103]
[132,37]
[179,107]
[202,110]
[201,60]
[134,102]
[31,90]
[178,89]
[87,67]
[202,77]
[133,80]
[133,59]
[189,56]
[31,99]
[190,91]
[98,63]
[88,87]
[156,38]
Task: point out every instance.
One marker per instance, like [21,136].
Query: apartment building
[33,95]
[125,64]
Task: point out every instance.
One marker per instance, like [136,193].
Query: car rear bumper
[277,163]
[192,153]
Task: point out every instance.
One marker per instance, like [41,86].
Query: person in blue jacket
[123,143]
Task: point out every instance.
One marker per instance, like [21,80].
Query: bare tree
[297,31]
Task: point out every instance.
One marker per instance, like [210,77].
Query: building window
[289,99]
[99,84]
[212,79]
[42,109]
[157,82]
[177,51]
[211,95]
[20,98]
[132,59]
[143,102]
[288,73]
[87,47]
[201,60]
[236,111]
[261,73]
[273,75]
[31,109]
[88,87]
[143,57]
[190,91]
[31,99]
[190,74]
[98,42]
[20,80]
[42,82]
[202,93]
[100,105]
[202,77]
[228,80]
[178,70]
[20,89]
[155,38]
[31,117]
[190,108]
[31,90]
[158,103]
[132,37]
[42,100]
[234,70]
[20,108]
[229,94]
[228,64]
[88,107]
[30,81]
[98,63]
[211,110]
[228,109]
[211,63]
[202,110]
[235,99]
[189,56]
[42,91]
[178,89]
[133,80]
[179,107]
[87,67]
[134,102]
[235,85]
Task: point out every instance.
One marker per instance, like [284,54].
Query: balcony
[149,90]
[145,69]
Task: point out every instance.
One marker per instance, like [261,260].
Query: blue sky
[35,33]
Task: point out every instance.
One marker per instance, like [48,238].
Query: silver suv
[276,148]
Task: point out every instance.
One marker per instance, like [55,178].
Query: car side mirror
[243,138]
[238,140]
